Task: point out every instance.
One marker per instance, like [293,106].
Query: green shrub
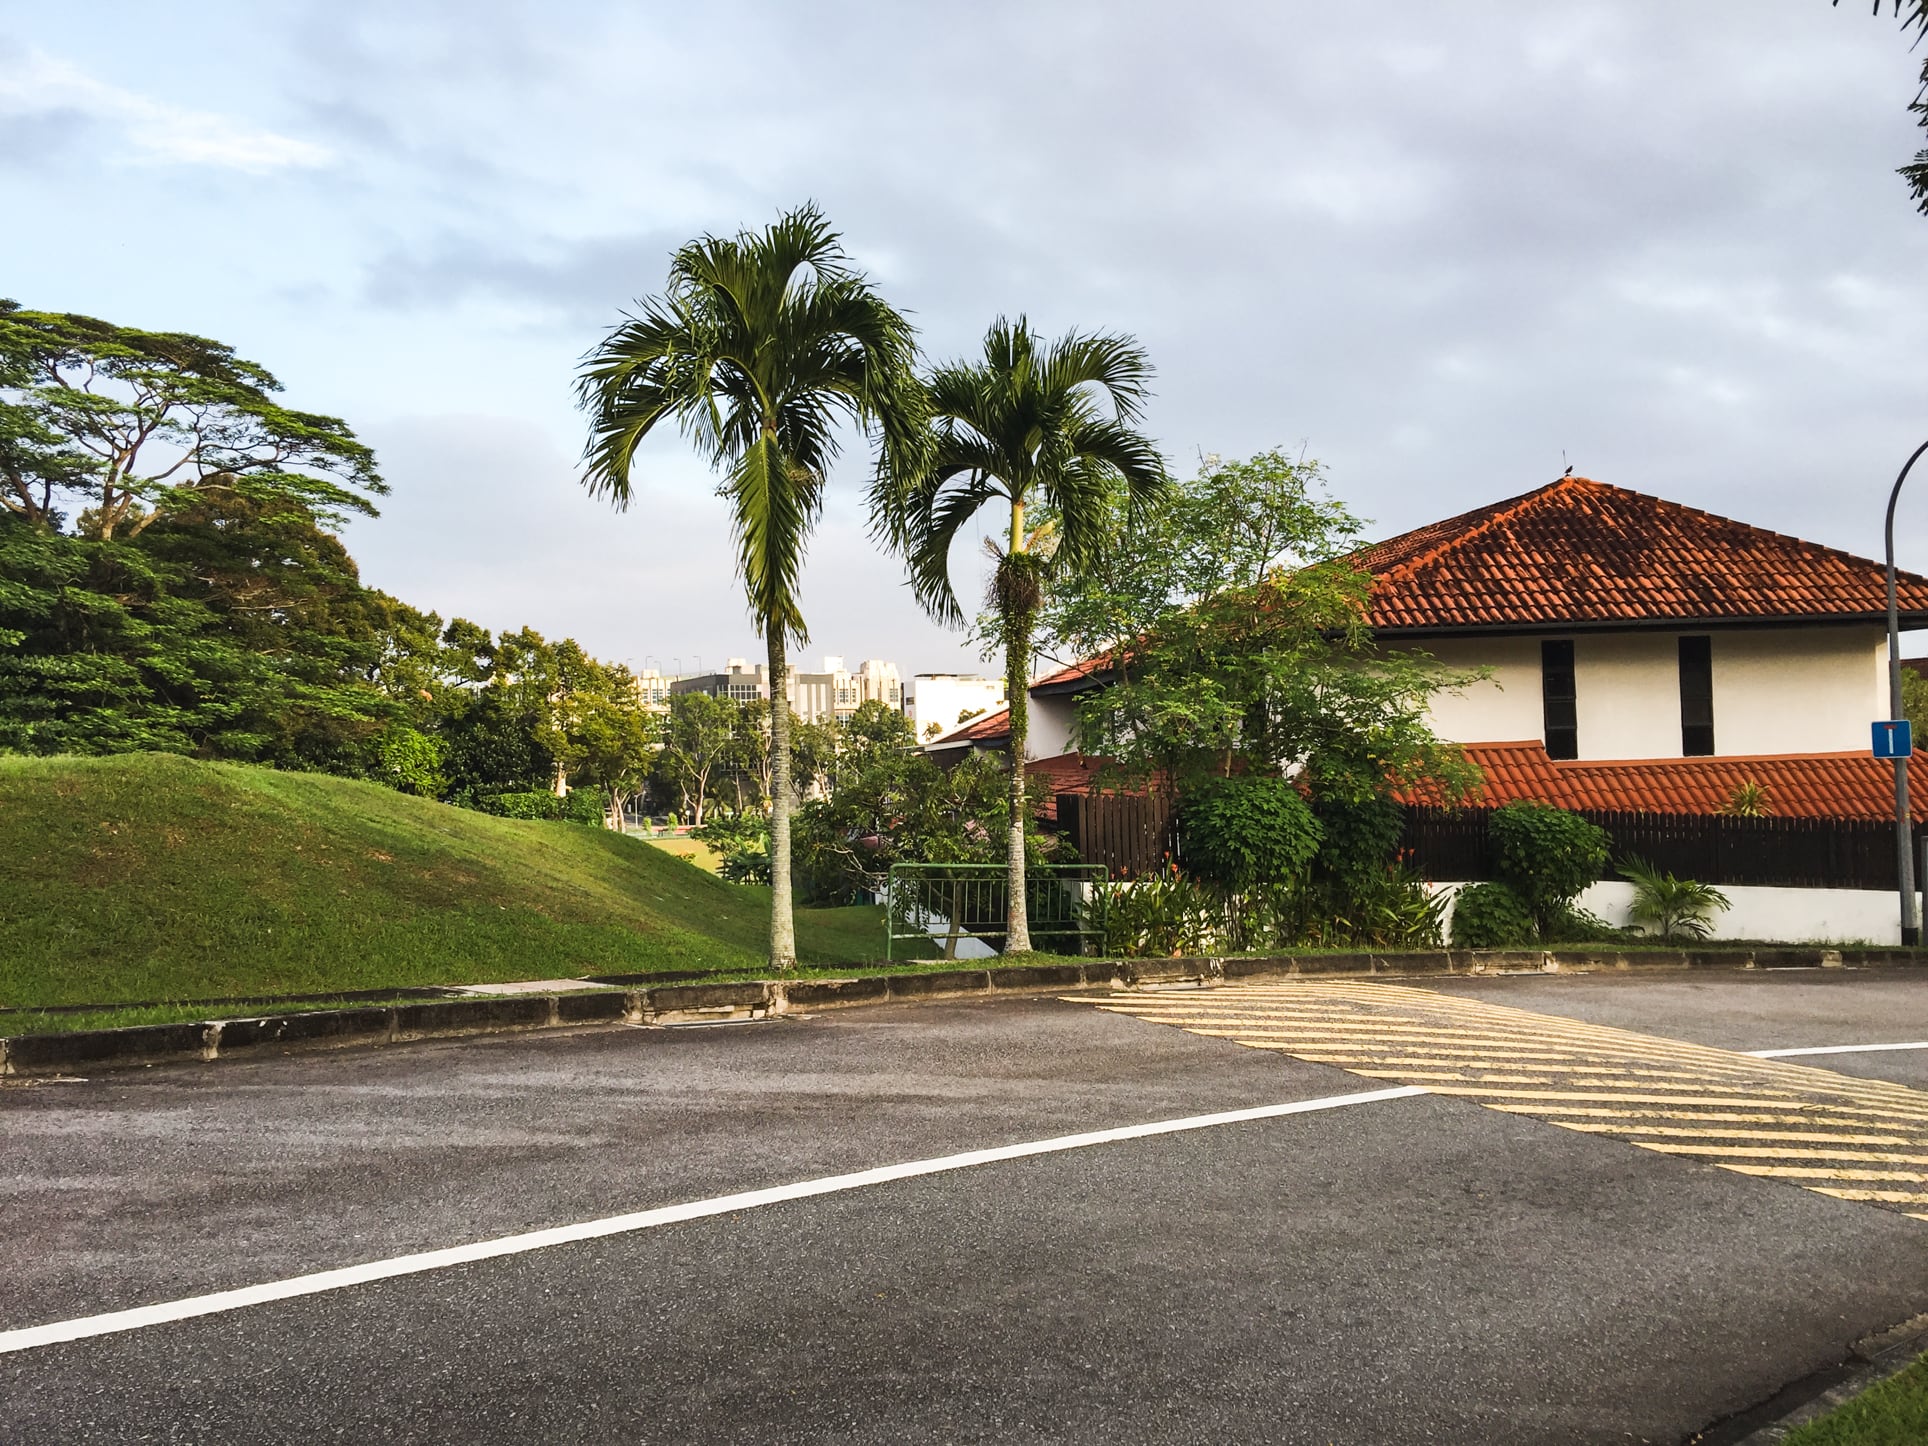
[584,806]
[1546,855]
[1491,916]
[1577,926]
[1242,832]
[1358,839]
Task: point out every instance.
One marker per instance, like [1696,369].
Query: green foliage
[1915,173]
[140,424]
[1546,856]
[742,841]
[1160,917]
[1491,916]
[1241,832]
[1232,623]
[1669,907]
[574,807]
[412,761]
[1358,837]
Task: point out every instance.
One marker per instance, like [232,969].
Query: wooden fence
[1132,835]
[1800,853]
[1135,835]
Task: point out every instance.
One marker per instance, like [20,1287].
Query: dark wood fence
[1801,853]
[1132,835]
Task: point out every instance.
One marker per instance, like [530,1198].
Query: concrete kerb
[678,1004]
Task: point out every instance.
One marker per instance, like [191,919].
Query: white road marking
[1834,1049]
[32,1337]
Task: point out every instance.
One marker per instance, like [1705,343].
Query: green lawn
[150,877]
[1894,1413]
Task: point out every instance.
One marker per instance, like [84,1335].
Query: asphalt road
[1421,1269]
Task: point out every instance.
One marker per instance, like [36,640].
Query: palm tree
[1031,423]
[760,346]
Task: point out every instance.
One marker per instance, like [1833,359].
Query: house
[1641,656]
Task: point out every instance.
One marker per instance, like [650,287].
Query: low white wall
[1784,916]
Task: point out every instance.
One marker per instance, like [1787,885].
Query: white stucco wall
[940,697]
[1052,721]
[1776,690]
[1782,916]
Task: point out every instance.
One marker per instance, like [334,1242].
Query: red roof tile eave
[1559,627]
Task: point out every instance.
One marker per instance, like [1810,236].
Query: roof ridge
[1495,512]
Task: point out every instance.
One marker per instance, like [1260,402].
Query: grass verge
[1891,1413]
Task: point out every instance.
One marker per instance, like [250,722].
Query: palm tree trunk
[783,928]
[1017,689]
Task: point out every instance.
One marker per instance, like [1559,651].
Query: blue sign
[1893,739]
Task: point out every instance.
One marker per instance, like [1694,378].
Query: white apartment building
[835,692]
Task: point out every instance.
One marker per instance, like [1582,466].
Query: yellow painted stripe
[1601,1127]
[1813,1172]
[1768,1152]
[1813,1117]
[1885,1197]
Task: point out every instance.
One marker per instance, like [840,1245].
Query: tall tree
[135,424]
[761,345]
[1913,15]
[1051,423]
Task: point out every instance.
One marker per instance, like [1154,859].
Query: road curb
[674,1004]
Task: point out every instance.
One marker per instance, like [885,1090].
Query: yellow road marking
[1813,1172]
[1596,1127]
[1769,1152]
[1589,1078]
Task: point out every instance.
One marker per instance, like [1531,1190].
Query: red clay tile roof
[1811,785]
[1091,670]
[992,727]
[1581,552]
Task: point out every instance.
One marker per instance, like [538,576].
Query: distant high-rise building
[836,692]
[941,701]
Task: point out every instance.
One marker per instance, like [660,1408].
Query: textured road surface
[1417,1270]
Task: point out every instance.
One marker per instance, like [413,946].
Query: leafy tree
[1232,623]
[696,735]
[1913,15]
[138,423]
[611,736]
[1032,423]
[759,347]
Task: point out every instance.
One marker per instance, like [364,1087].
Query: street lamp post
[1904,832]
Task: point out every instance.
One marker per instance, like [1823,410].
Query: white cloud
[38,85]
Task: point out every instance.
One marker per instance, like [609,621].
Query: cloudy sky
[1442,247]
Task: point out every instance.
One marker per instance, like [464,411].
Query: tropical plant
[759,347]
[1032,423]
[1748,800]
[1546,855]
[1915,173]
[1670,907]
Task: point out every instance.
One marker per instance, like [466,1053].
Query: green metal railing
[944,904]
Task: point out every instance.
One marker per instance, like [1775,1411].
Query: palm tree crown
[759,347]
[1032,422]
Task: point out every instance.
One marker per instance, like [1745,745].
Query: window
[1558,698]
[1696,697]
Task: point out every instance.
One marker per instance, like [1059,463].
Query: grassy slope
[148,876]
